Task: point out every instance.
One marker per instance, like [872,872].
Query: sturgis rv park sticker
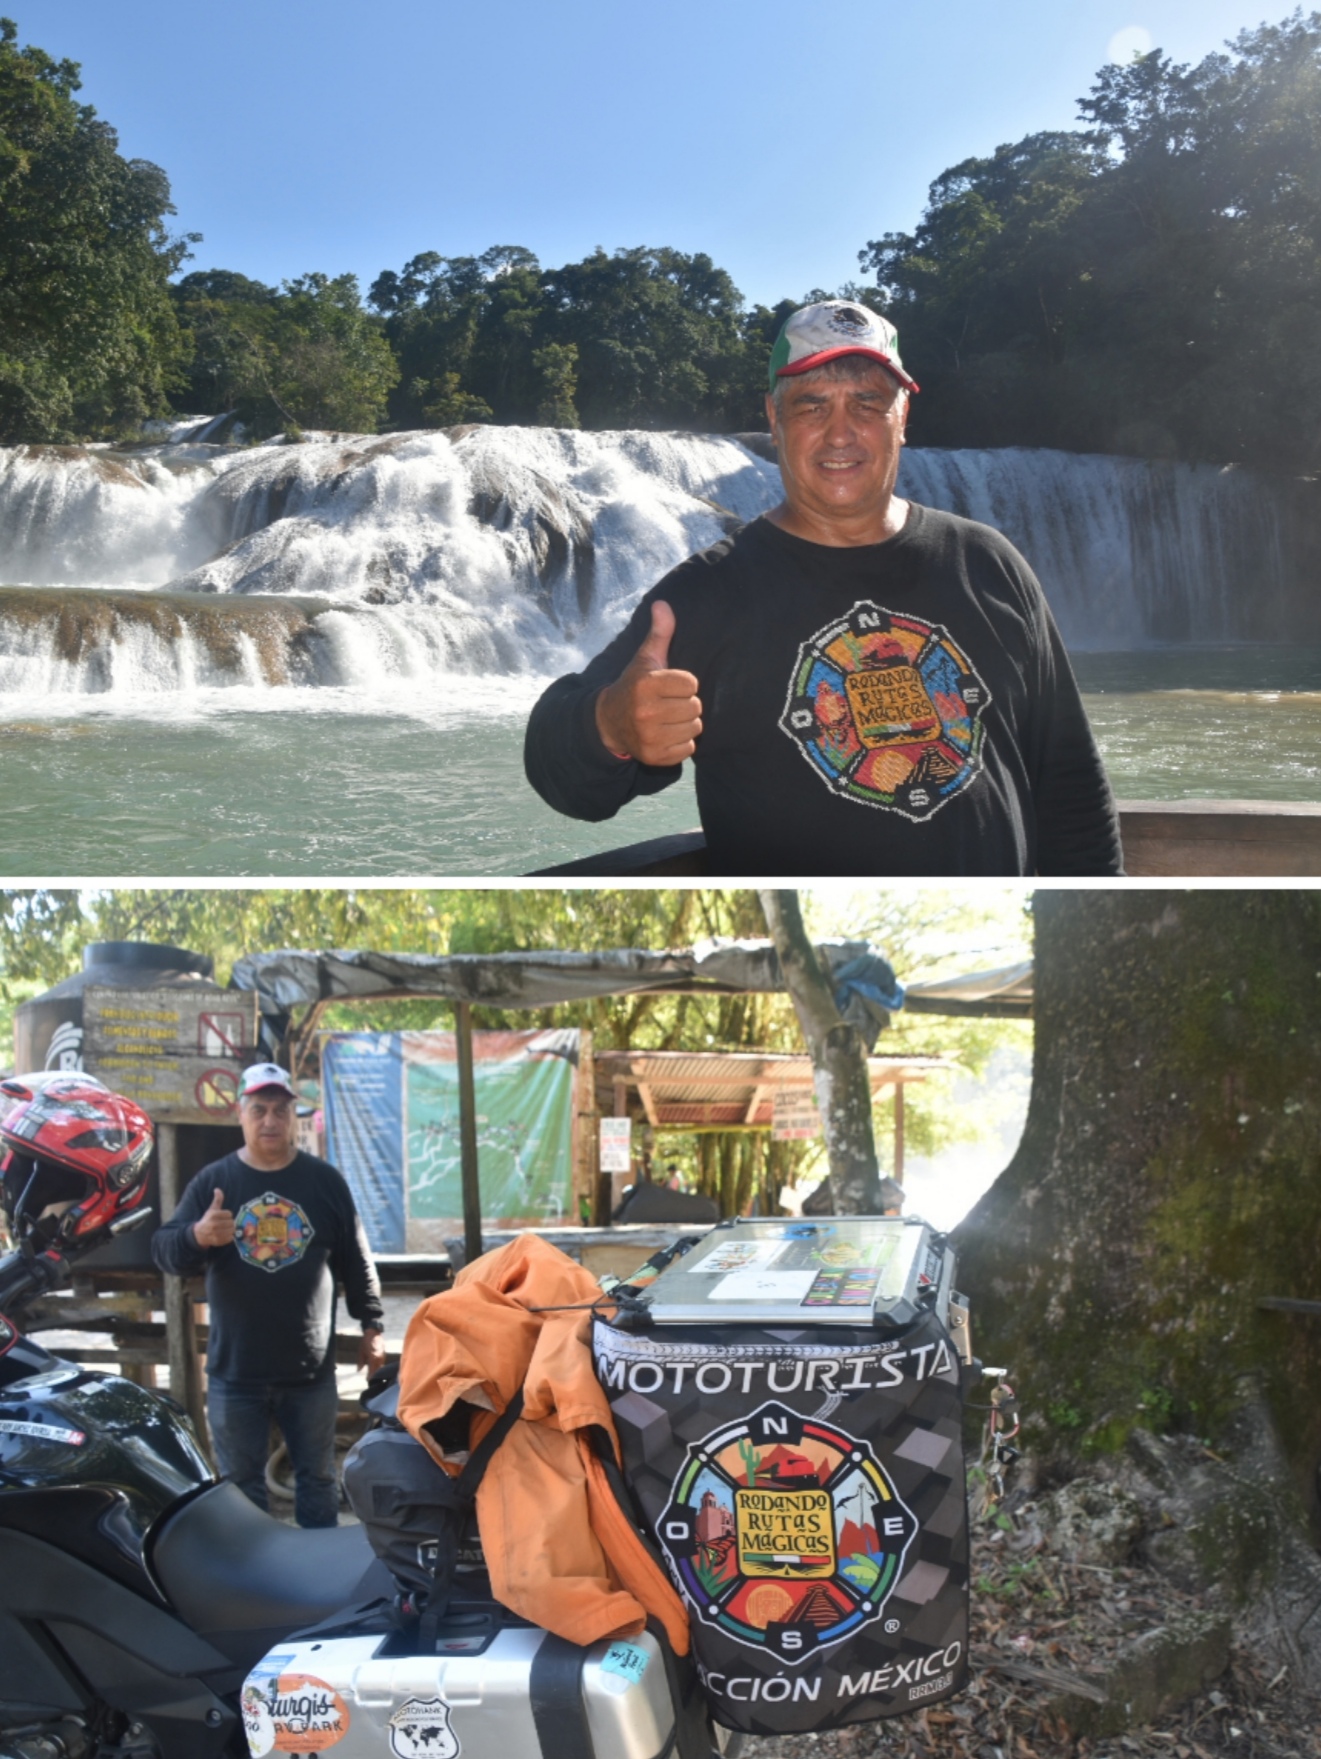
[291,1713]
[785,1532]
[888,711]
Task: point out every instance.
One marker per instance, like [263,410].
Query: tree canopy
[1148,284]
[88,338]
[308,356]
[640,338]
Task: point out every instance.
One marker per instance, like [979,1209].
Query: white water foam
[1130,552]
[440,564]
[451,573]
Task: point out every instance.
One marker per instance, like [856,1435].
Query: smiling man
[866,685]
[275,1230]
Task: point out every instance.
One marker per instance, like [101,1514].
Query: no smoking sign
[217,1091]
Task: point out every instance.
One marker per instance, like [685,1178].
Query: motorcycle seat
[228,1568]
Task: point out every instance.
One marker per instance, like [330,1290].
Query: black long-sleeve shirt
[272,1292]
[900,708]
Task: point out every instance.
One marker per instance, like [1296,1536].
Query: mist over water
[366,620]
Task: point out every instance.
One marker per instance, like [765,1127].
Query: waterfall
[1132,553]
[420,560]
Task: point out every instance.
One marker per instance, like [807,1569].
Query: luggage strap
[457,1496]
[556,1694]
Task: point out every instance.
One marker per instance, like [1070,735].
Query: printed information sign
[392,1127]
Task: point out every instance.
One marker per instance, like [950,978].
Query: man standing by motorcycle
[275,1230]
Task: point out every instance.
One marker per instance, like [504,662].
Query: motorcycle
[138,1592]
[148,1610]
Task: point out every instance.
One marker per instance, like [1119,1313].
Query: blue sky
[778,137]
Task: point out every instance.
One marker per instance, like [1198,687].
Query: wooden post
[585,1135]
[472,1189]
[899,1132]
[180,1328]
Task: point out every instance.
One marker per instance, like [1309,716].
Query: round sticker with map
[785,1532]
[888,711]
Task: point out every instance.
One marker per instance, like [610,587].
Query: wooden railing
[1179,839]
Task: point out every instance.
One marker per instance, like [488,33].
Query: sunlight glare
[1134,39]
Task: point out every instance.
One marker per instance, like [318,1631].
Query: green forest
[934,932]
[1148,283]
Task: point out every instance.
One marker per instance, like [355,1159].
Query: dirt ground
[1039,1627]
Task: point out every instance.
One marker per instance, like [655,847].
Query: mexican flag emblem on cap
[817,333]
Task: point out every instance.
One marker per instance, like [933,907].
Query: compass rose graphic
[888,711]
[785,1532]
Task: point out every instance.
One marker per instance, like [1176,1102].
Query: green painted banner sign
[403,1127]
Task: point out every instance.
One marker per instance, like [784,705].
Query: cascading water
[360,623]
[1133,553]
[496,553]
[506,552]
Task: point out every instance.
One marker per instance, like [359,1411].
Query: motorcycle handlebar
[23,1276]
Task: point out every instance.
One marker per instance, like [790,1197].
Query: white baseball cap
[814,334]
[263,1075]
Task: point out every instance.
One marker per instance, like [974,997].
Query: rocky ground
[1096,1636]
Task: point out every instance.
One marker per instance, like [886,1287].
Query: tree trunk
[839,1064]
[1169,1175]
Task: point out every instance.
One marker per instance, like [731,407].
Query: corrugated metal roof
[726,1089]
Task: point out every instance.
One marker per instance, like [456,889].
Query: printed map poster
[392,1127]
[362,1091]
[524,1084]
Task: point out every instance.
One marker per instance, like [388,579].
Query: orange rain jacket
[559,1549]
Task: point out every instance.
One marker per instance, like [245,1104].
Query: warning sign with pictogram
[217,1091]
[179,1054]
[222,1035]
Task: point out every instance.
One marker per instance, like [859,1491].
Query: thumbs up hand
[650,712]
[216,1228]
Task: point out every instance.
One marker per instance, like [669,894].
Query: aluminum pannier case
[495,1689]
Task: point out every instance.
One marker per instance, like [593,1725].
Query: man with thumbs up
[651,712]
[275,1230]
[866,686]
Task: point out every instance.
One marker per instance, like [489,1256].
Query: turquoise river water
[317,790]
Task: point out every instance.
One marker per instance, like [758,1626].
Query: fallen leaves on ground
[1041,1626]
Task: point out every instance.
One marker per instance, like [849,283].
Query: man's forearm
[569,766]
[357,1272]
[175,1250]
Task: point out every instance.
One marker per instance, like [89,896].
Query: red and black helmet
[71,1141]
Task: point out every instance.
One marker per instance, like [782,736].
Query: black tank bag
[806,1487]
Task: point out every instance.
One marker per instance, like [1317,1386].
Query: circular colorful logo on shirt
[888,711]
[785,1532]
[271,1232]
